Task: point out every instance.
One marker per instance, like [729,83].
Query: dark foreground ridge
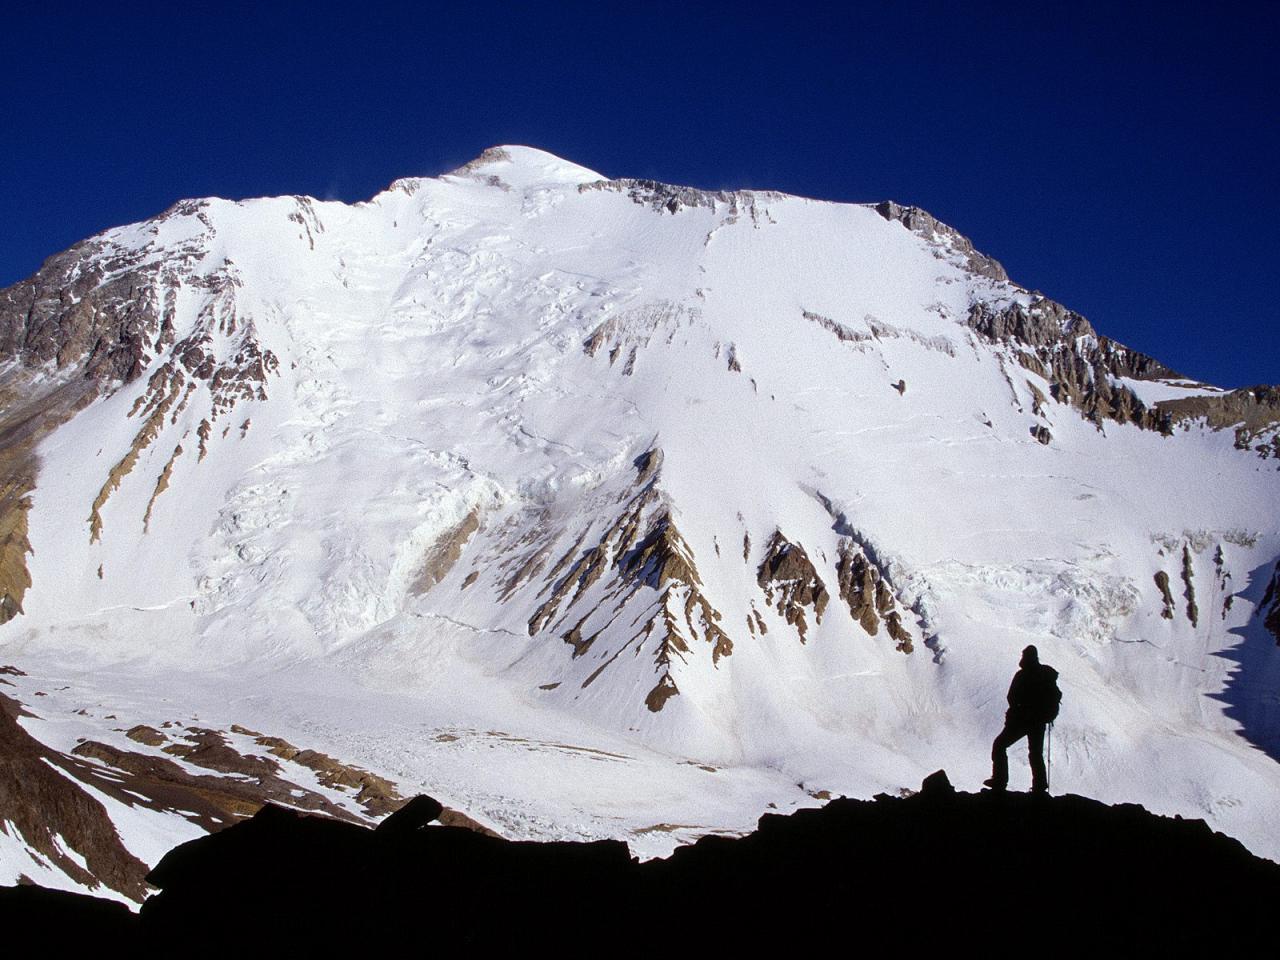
[938,869]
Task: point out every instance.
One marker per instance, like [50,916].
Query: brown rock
[1189,588]
[146,735]
[1252,411]
[940,234]
[858,582]
[791,583]
[1081,366]
[660,694]
[444,553]
[1162,584]
[209,749]
[47,809]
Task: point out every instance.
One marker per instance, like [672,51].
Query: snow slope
[490,520]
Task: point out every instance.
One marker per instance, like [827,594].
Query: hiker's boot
[994,785]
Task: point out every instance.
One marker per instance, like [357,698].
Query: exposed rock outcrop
[945,238]
[376,794]
[1044,323]
[871,330]
[162,484]
[154,413]
[1254,412]
[29,410]
[93,307]
[866,589]
[1083,370]
[670,198]
[663,691]
[862,587]
[149,736]
[55,818]
[1080,366]
[1162,584]
[444,553]
[639,549]
[471,170]
[791,584]
[625,334]
[1189,586]
[95,318]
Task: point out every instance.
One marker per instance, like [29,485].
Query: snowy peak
[510,167]
[524,167]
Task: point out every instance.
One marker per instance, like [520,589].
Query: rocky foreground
[937,869]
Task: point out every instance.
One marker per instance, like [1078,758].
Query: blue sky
[1122,158]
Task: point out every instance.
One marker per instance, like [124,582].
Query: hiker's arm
[1015,690]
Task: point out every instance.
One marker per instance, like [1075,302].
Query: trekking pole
[1048,773]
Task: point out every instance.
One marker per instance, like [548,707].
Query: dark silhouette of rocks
[934,870]
[71,921]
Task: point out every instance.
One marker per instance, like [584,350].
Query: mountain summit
[610,508]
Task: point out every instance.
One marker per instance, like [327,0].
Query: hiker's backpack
[1048,698]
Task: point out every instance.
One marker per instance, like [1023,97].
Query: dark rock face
[862,587]
[1254,412]
[866,589]
[98,316]
[638,549]
[1166,595]
[938,870]
[670,198]
[84,307]
[926,225]
[791,583]
[1270,606]
[51,813]
[1189,586]
[238,784]
[28,413]
[1044,323]
[1080,366]
[80,925]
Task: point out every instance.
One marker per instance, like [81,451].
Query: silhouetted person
[1033,703]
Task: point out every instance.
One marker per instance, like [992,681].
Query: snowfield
[483,377]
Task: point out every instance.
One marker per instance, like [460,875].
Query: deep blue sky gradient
[1121,158]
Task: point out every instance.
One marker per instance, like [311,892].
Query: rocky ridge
[643,564]
[349,887]
[91,322]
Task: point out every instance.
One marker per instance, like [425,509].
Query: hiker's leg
[999,758]
[1035,751]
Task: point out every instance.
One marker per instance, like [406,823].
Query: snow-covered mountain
[604,508]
